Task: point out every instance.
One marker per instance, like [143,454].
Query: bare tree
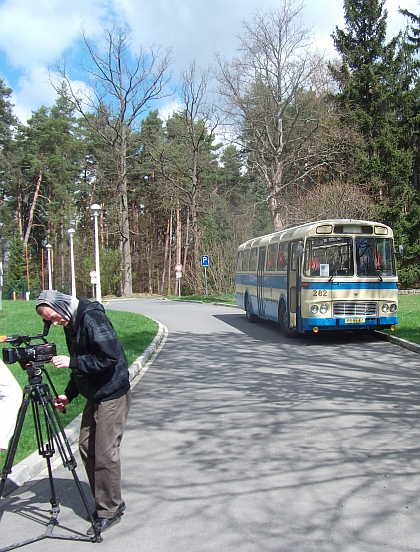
[269,91]
[187,153]
[120,87]
[335,200]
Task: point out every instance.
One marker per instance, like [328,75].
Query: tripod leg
[56,432]
[7,469]
[39,396]
[45,445]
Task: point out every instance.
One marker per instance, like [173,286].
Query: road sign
[92,273]
[178,267]
[205,260]
[178,274]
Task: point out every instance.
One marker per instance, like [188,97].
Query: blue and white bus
[325,275]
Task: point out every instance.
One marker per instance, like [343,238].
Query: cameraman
[99,372]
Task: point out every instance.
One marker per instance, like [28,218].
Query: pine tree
[9,161]
[370,95]
[15,270]
[374,94]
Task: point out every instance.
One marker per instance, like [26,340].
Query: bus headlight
[393,307]
[324,308]
[385,307]
[314,309]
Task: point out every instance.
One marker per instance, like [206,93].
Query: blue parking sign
[204,260]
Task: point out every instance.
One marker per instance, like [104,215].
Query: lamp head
[96,209]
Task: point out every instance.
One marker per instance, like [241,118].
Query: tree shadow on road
[312,443]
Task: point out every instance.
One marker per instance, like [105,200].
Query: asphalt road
[242,440]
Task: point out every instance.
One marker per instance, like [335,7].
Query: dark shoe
[103,524]
[120,510]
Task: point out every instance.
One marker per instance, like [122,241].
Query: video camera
[41,352]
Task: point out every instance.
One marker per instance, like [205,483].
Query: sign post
[93,280]
[178,275]
[205,261]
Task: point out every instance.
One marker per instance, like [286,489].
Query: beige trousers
[100,437]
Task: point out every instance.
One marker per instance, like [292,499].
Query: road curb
[398,341]
[34,464]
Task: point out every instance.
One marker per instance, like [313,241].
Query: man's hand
[61,402]
[61,361]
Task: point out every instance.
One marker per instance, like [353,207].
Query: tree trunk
[33,205]
[170,254]
[124,223]
[165,258]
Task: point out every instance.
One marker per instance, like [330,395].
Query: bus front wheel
[249,316]
[284,322]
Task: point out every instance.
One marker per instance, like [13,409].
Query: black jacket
[99,368]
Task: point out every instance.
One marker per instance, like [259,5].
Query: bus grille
[355,309]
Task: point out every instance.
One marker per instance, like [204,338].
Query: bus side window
[245,261]
[271,256]
[239,262]
[282,257]
[253,257]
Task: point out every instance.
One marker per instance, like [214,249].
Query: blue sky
[34,34]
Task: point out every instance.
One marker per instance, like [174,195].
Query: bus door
[260,282]
[293,278]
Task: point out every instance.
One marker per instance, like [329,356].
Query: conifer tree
[370,94]
[374,94]
[9,160]
[16,266]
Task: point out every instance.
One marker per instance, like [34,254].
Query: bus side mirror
[401,250]
[299,250]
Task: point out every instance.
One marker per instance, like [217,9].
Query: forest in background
[275,137]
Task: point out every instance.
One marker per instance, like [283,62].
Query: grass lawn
[229,298]
[136,332]
[408,326]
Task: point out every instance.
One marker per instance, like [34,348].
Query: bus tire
[249,316]
[284,322]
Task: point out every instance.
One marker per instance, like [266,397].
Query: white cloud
[32,92]
[168,109]
[39,31]
[33,34]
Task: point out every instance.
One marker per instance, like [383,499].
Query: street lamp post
[71,232]
[48,247]
[96,209]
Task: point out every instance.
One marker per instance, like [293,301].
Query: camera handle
[51,431]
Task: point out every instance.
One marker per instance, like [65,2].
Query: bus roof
[322,227]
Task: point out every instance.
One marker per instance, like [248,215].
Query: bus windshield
[333,256]
[374,256]
[328,256]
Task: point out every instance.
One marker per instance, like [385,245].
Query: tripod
[38,395]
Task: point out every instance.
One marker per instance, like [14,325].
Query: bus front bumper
[354,323]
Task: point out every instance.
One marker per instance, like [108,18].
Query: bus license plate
[355,320]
